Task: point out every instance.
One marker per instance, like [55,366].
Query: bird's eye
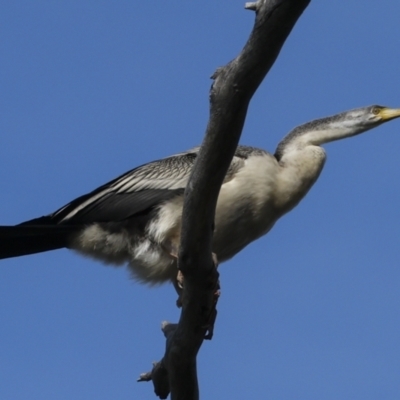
[376,110]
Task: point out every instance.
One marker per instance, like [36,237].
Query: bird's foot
[178,285]
[217,293]
[179,281]
[213,282]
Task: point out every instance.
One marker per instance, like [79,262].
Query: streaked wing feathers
[134,192]
[121,206]
[138,190]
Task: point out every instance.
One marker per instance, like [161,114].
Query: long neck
[299,169]
[301,158]
[318,132]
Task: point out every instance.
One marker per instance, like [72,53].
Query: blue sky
[90,89]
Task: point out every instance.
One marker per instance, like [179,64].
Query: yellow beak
[389,113]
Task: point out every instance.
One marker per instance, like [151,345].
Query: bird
[135,219]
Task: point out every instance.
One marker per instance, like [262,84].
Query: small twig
[159,376]
[168,328]
[251,6]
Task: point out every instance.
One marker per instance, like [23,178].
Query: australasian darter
[136,218]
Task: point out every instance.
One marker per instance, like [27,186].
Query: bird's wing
[136,192]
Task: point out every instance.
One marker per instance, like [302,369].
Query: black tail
[34,236]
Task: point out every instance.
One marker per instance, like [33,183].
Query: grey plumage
[325,123]
[136,218]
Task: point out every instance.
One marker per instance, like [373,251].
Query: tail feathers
[27,238]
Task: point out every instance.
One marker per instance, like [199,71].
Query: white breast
[245,208]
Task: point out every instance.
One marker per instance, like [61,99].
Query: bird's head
[348,123]
[362,119]
[336,127]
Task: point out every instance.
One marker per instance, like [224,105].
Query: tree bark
[232,89]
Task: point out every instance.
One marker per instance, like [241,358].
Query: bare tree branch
[233,87]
